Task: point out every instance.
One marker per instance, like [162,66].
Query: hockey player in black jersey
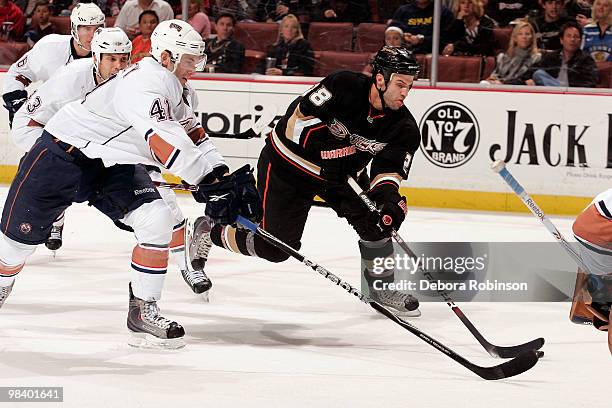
[335,130]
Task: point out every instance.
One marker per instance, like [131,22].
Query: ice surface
[280,335]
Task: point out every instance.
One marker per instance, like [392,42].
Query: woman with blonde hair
[597,36]
[471,33]
[291,54]
[515,66]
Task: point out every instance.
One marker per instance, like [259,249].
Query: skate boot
[149,329]
[197,242]
[402,304]
[197,248]
[54,241]
[5,291]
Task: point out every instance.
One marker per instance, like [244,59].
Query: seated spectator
[386,9]
[141,45]
[293,54]
[224,54]
[514,67]
[548,23]
[127,19]
[507,11]
[238,8]
[9,12]
[597,36]
[394,37]
[344,11]
[43,25]
[579,10]
[472,32]
[569,66]
[197,19]
[416,20]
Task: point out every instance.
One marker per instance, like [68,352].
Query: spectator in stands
[43,25]
[507,11]
[547,24]
[197,19]
[344,11]
[273,11]
[597,36]
[386,9]
[471,33]
[416,20]
[9,12]
[141,45]
[579,10]
[394,37]
[224,54]
[293,54]
[514,67]
[569,66]
[128,17]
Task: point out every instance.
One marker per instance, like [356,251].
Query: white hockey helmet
[85,14]
[178,38]
[109,41]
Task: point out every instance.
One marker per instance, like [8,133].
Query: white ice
[280,335]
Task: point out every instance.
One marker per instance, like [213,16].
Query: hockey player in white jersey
[94,145]
[50,53]
[111,50]
[41,62]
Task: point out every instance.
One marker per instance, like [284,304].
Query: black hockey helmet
[394,60]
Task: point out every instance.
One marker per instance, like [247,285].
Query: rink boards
[558,145]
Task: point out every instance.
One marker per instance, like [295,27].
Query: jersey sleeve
[393,163]
[29,68]
[148,110]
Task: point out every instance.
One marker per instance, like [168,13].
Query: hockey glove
[391,206]
[232,195]
[335,171]
[13,101]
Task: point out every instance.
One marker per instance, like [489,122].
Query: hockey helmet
[394,60]
[178,38]
[109,41]
[85,14]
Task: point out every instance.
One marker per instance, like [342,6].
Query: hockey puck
[539,353]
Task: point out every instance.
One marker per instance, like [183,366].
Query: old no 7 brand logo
[450,134]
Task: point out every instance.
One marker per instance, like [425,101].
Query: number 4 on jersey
[160,110]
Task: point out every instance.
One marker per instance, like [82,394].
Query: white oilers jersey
[69,83]
[134,118]
[38,64]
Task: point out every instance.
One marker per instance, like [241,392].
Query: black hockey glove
[336,171]
[391,205]
[13,101]
[229,196]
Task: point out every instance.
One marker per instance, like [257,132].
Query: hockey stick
[518,365]
[499,167]
[493,350]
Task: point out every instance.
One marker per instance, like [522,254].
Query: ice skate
[5,291]
[402,304]
[148,329]
[54,242]
[197,248]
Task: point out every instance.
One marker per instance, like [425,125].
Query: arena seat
[252,59]
[256,36]
[457,69]
[12,51]
[62,24]
[488,67]
[501,37]
[327,62]
[604,70]
[370,37]
[331,36]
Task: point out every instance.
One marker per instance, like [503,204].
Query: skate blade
[410,313]
[205,296]
[148,341]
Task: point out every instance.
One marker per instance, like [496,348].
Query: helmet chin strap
[381,93]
